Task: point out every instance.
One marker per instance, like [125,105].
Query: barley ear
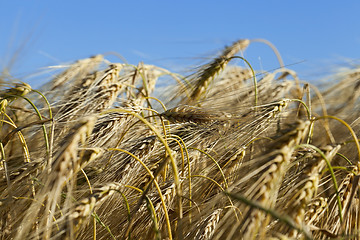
[206,74]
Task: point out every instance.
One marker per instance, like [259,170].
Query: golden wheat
[100,152]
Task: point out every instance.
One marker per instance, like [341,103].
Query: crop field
[102,151]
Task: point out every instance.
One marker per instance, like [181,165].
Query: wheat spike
[65,165]
[271,178]
[205,75]
[76,71]
[94,94]
[83,210]
[192,114]
[207,231]
[308,190]
[348,200]
[315,210]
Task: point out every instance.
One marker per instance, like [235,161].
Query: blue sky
[312,36]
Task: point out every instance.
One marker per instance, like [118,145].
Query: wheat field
[101,151]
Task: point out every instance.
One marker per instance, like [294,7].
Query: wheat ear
[271,179]
[65,166]
[308,190]
[205,75]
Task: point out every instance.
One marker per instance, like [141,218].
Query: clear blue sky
[176,34]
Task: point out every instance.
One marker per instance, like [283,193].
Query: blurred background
[314,38]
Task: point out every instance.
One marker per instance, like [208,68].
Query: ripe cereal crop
[101,152]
